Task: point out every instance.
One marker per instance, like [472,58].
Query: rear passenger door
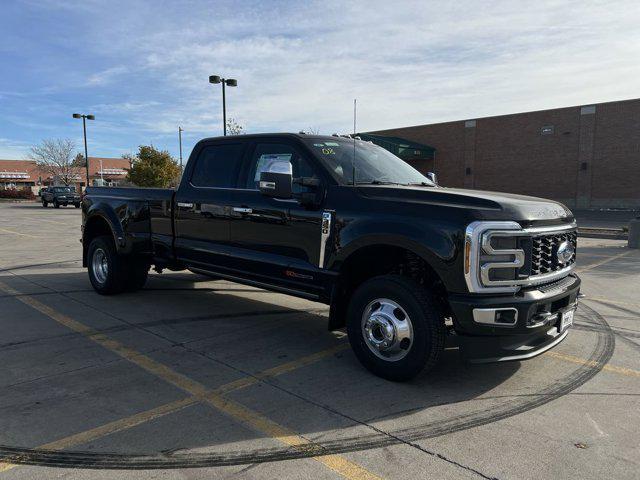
[202,213]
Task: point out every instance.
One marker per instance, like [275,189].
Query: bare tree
[233,127]
[56,157]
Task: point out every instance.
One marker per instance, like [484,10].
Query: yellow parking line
[259,422]
[280,369]
[142,417]
[17,233]
[118,425]
[598,264]
[51,221]
[581,361]
[249,417]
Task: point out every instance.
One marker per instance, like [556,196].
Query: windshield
[372,164]
[62,190]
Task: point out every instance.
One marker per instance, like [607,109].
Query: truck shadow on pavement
[216,332]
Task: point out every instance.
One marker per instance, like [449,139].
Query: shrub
[23,193]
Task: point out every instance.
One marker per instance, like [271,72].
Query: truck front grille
[544,250]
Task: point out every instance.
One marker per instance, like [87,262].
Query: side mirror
[432,176]
[276,180]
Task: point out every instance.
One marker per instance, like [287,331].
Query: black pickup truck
[59,196]
[404,264]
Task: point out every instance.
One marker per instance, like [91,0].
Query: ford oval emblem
[565,253]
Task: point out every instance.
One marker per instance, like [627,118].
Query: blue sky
[142,66]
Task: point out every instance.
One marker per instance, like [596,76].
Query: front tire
[107,269]
[56,204]
[77,205]
[396,327]
[45,204]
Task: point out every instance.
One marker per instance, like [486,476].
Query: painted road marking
[162,410]
[52,221]
[235,410]
[581,361]
[17,233]
[598,264]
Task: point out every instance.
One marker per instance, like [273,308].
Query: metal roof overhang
[405,149]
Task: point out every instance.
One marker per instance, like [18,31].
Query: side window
[266,153]
[218,166]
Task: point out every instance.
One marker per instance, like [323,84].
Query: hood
[487,205]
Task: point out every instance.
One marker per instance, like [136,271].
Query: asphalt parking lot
[193,378]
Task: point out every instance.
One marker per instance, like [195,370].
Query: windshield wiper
[377,182]
[422,184]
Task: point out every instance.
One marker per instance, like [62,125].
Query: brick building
[585,156]
[25,173]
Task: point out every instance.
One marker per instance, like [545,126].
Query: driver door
[271,235]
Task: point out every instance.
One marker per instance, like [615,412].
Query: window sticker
[272,162]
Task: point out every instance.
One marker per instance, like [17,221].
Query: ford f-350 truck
[403,263]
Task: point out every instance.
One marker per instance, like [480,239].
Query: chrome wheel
[387,329]
[100,265]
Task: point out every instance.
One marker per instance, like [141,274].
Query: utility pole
[180,143]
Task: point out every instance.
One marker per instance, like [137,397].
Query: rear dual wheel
[110,272]
[396,327]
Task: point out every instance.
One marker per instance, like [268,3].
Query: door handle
[185,205]
[242,210]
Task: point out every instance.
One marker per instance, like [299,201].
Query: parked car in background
[60,196]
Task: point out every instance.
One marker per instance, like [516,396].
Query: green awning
[403,148]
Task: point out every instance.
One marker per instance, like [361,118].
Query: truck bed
[140,217]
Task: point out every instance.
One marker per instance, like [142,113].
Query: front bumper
[535,330]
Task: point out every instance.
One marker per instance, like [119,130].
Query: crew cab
[60,196]
[405,264]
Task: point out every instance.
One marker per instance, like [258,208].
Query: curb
[606,233]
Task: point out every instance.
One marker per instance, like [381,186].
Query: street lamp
[230,82]
[84,130]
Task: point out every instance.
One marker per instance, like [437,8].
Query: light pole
[180,130]
[231,82]
[84,130]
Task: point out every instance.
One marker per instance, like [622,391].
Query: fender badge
[292,274]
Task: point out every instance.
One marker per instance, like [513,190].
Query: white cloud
[13,149]
[301,64]
[407,64]
[106,76]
